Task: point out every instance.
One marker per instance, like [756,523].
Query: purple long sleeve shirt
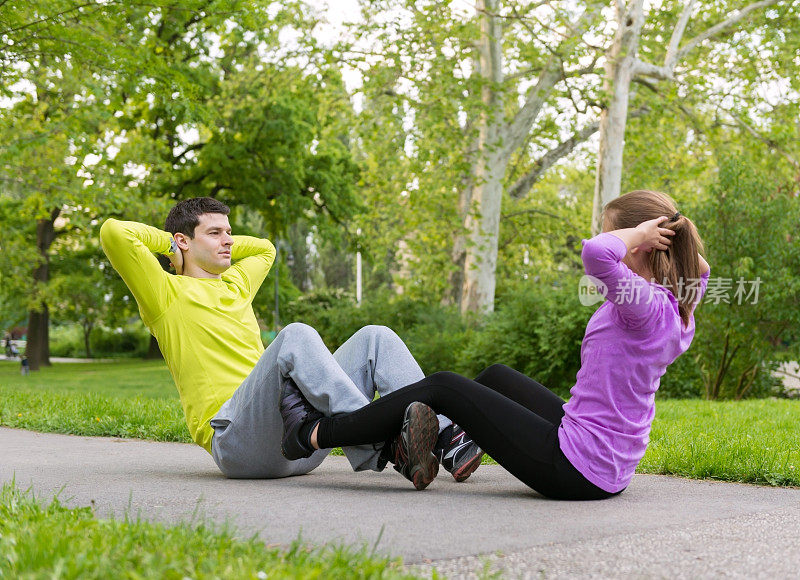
[629,342]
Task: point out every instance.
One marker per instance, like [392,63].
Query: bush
[683,379]
[434,334]
[536,329]
[67,341]
[132,341]
[749,226]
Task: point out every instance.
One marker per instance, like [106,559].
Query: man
[232,390]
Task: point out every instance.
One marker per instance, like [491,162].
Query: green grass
[52,541]
[124,378]
[120,399]
[754,441]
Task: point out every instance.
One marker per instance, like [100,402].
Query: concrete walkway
[659,527]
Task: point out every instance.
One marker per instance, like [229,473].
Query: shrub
[683,379]
[749,226]
[132,341]
[435,334]
[536,329]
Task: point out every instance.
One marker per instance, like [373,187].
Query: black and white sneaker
[296,411]
[412,450]
[458,453]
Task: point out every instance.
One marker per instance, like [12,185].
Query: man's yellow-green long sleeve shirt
[205,327]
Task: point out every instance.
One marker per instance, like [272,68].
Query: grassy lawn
[121,399]
[40,540]
[756,441]
[750,441]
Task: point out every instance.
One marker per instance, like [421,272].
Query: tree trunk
[87,331]
[455,280]
[613,118]
[498,139]
[38,345]
[480,260]
[483,216]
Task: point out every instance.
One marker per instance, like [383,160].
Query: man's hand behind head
[176,260]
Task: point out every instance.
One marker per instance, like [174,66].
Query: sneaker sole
[463,472]
[423,430]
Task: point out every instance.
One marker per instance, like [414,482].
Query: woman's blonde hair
[676,266]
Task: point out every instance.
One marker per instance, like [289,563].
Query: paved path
[660,526]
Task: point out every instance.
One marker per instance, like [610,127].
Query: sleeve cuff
[173,248]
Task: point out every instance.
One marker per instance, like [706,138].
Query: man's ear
[182,240]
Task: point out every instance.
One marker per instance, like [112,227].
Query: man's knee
[300,331]
[378,331]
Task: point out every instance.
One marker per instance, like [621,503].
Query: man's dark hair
[185,215]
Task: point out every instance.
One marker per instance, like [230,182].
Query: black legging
[511,416]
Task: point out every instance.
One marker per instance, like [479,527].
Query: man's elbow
[108,230]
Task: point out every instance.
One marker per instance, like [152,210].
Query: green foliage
[749,225]
[750,441]
[684,378]
[536,329]
[268,149]
[435,334]
[41,540]
[753,441]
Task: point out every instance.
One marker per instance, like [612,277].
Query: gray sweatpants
[248,427]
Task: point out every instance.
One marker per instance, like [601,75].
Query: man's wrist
[173,248]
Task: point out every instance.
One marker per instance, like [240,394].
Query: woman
[589,447]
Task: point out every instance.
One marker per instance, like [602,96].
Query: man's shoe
[458,453]
[412,450]
[296,411]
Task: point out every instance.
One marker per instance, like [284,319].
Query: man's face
[210,250]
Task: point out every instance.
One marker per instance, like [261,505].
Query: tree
[53,30]
[38,184]
[489,101]
[624,66]
[482,93]
[256,144]
[751,313]
[79,297]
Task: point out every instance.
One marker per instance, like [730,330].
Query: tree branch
[188,149]
[523,184]
[515,131]
[52,16]
[730,21]
[768,142]
[674,55]
[671,59]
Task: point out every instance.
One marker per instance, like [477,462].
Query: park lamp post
[358,267]
[289,262]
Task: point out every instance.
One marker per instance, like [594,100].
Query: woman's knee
[491,372]
[448,379]
[298,328]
